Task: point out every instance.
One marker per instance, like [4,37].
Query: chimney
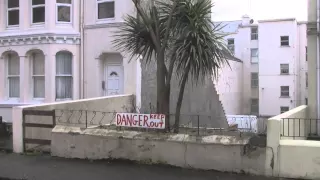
[245,20]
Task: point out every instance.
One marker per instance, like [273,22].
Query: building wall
[229,87]
[302,28]
[243,51]
[270,56]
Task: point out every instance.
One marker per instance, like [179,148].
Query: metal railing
[299,128]
[84,118]
[190,124]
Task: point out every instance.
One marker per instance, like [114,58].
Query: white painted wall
[98,37]
[271,55]
[229,87]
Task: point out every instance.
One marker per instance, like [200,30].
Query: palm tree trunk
[167,108]
[180,98]
[161,84]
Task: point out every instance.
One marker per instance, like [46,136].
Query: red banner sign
[154,121]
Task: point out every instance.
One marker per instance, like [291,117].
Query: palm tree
[178,33]
[149,34]
[199,48]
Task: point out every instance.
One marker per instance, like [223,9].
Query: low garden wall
[214,152]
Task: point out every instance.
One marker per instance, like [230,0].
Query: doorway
[113,79]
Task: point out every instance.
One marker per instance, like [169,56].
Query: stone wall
[201,99]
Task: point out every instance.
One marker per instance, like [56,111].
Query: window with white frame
[284,68]
[231,44]
[254,55]
[64,9]
[64,80]
[254,80]
[284,109]
[285,91]
[38,75]
[105,9]
[254,33]
[13,76]
[255,106]
[38,11]
[12,12]
[284,41]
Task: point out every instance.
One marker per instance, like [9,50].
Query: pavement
[45,167]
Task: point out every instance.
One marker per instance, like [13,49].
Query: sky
[225,10]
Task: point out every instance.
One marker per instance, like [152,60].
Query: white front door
[114,80]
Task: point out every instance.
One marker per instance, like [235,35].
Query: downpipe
[318,68]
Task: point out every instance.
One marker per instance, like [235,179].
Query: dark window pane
[230,41]
[106,10]
[37,2]
[13,3]
[254,30]
[13,17]
[64,14]
[284,38]
[285,43]
[38,14]
[64,1]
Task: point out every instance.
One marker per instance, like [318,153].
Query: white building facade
[57,50]
[274,69]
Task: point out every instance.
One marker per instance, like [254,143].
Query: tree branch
[167,33]
[155,18]
[169,73]
[143,16]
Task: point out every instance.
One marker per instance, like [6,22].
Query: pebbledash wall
[199,99]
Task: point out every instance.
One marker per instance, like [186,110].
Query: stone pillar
[273,144]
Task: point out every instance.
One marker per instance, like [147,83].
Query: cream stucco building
[56,50]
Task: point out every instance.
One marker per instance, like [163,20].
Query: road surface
[44,167]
